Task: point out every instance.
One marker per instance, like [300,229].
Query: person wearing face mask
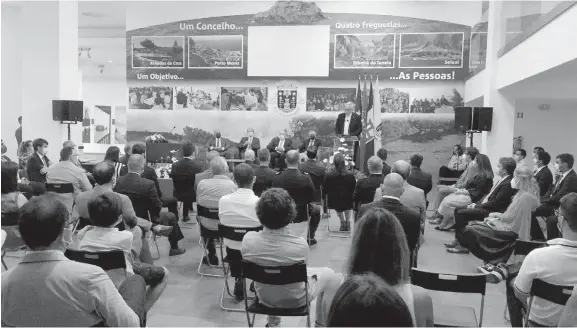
[250,141]
[455,168]
[218,144]
[541,172]
[311,143]
[38,162]
[58,291]
[566,183]
[519,157]
[66,171]
[278,147]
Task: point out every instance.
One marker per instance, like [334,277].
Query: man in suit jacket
[393,186]
[133,184]
[366,187]
[300,186]
[349,124]
[183,173]
[382,154]
[127,153]
[566,183]
[542,173]
[311,142]
[250,141]
[38,162]
[222,146]
[417,177]
[148,172]
[278,148]
[263,173]
[312,167]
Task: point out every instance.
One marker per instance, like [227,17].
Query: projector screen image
[282,50]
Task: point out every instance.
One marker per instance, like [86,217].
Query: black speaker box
[463,118]
[67,110]
[482,118]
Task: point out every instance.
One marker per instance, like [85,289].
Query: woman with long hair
[457,164]
[25,150]
[473,192]
[113,155]
[379,246]
[339,186]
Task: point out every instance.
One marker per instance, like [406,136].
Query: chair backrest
[209,213]
[524,247]
[275,275]
[318,183]
[235,233]
[60,188]
[106,260]
[456,283]
[553,293]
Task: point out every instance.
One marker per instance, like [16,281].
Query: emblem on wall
[288,99]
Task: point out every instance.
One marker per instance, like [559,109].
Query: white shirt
[347,124]
[556,264]
[392,197]
[238,210]
[537,170]
[281,143]
[217,142]
[561,179]
[312,143]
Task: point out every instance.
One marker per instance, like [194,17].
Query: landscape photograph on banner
[158,51]
[394,100]
[329,99]
[431,50]
[244,98]
[478,49]
[188,97]
[150,97]
[215,51]
[364,50]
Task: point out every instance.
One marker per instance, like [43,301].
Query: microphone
[173,128]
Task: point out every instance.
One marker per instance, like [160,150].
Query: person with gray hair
[249,158]
[366,187]
[127,153]
[249,142]
[206,174]
[278,147]
[208,194]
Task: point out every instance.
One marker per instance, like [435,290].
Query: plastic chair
[109,260]
[453,315]
[553,293]
[12,242]
[64,192]
[279,275]
[205,234]
[234,234]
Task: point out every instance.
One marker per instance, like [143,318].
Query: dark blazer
[479,187]
[568,185]
[339,189]
[421,180]
[545,180]
[148,173]
[365,189]
[252,164]
[34,166]
[305,144]
[386,169]
[275,141]
[410,220]
[183,174]
[300,187]
[254,146]
[311,166]
[223,143]
[134,185]
[124,159]
[501,197]
[355,126]
[264,178]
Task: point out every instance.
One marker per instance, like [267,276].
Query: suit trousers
[465,215]
[277,160]
[170,203]
[169,219]
[133,291]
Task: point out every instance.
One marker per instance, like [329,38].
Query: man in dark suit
[382,154]
[263,173]
[349,124]
[417,177]
[133,184]
[148,172]
[250,141]
[315,170]
[38,162]
[183,173]
[497,200]
[542,173]
[278,148]
[300,186]
[566,183]
[311,142]
[366,187]
[222,146]
[410,220]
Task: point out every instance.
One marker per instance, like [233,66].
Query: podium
[346,146]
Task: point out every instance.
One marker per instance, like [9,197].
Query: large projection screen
[288,50]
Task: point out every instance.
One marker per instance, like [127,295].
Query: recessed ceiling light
[93,14]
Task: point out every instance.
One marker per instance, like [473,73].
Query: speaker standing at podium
[350,124]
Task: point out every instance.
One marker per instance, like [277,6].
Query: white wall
[104,91]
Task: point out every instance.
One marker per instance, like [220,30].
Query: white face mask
[535,161]
[514,183]
[516,157]
[556,167]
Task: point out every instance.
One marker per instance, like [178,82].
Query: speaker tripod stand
[470,134]
[68,123]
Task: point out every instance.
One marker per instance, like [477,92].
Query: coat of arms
[288,98]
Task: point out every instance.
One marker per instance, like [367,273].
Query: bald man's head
[68,143]
[393,185]
[292,158]
[212,155]
[135,163]
[402,168]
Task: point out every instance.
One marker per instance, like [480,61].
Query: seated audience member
[392,189]
[12,198]
[311,143]
[300,187]
[5,158]
[113,155]
[134,185]
[24,152]
[473,192]
[542,173]
[127,153]
[566,183]
[366,187]
[263,173]
[417,177]
[465,178]
[278,147]
[519,157]
[537,150]
[208,194]
[38,162]
[238,210]
[457,164]
[249,158]
[382,154]
[367,301]
[66,171]
[339,187]
[554,264]
[56,291]
[149,173]
[311,165]
[186,168]
[206,174]
[496,201]
[102,236]
[276,246]
[379,246]
[569,315]
[494,239]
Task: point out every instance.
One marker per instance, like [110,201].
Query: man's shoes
[458,249]
[238,290]
[176,251]
[312,242]
[452,244]
[495,273]
[212,259]
[162,230]
[326,216]
[186,219]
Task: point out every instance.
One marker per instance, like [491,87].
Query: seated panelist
[278,147]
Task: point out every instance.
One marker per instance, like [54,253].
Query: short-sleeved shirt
[238,210]
[556,264]
[208,195]
[67,172]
